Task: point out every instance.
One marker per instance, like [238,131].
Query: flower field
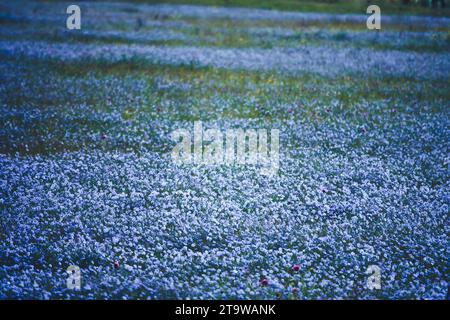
[87,179]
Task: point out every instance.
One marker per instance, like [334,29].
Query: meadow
[87,179]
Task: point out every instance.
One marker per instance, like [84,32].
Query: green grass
[330,6]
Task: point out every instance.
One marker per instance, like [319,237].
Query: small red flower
[296,267]
[294,291]
[116,264]
[264,282]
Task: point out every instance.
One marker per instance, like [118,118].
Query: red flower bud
[264,282]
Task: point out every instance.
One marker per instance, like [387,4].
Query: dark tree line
[427,3]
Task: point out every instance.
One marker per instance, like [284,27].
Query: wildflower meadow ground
[87,177]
